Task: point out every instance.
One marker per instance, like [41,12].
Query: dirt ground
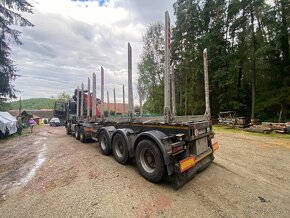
[50,174]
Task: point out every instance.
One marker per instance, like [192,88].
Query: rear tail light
[88,129]
[176,149]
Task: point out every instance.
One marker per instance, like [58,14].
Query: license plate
[201,145]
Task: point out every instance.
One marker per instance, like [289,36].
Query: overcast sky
[72,39]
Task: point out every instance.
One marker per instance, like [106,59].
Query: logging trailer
[176,146]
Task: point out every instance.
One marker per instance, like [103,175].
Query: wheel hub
[147,160]
[120,149]
[103,142]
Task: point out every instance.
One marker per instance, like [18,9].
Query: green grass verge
[224,129]
[25,132]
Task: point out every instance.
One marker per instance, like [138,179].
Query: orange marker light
[215,146]
[187,163]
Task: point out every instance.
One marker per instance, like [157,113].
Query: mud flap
[179,179]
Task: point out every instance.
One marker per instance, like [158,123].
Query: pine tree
[9,17]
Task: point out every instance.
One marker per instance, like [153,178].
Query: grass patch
[224,129]
[25,132]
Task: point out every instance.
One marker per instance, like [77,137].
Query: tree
[63,97]
[9,17]
[248,54]
[151,68]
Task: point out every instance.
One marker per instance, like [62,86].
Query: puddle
[15,183]
[39,140]
[40,160]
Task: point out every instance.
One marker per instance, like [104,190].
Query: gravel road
[50,174]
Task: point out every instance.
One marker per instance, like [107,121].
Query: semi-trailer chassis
[178,147]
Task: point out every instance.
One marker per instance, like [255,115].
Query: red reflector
[177,148]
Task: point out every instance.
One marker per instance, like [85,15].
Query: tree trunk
[280,114]
[284,31]
[253,63]
[185,99]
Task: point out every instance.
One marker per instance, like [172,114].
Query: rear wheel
[77,133]
[1,135]
[104,141]
[149,161]
[68,132]
[82,135]
[120,149]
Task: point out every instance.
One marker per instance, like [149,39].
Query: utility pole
[206,85]
[19,114]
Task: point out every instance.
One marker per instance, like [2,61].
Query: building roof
[119,107]
[48,113]
[44,113]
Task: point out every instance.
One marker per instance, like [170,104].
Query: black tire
[82,135]
[77,133]
[104,141]
[68,132]
[120,149]
[149,161]
[1,135]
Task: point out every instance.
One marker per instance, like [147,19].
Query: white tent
[7,121]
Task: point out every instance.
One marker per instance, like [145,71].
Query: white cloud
[72,39]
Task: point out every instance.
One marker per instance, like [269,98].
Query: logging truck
[173,146]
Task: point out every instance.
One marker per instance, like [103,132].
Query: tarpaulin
[7,121]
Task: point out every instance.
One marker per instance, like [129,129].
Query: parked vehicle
[54,122]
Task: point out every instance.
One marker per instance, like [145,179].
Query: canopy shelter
[7,124]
